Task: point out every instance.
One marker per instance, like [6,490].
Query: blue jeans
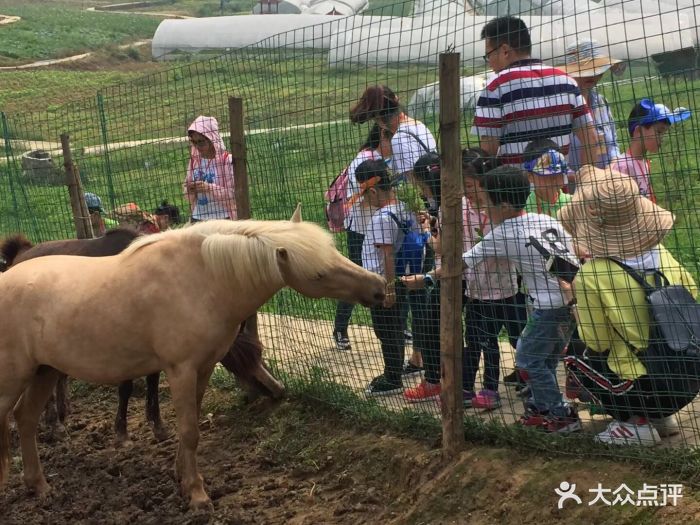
[537,355]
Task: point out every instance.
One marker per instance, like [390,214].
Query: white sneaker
[621,433]
[666,426]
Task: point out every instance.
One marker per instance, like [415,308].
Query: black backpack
[674,328]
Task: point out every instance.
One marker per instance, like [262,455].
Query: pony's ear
[282,255]
[296,216]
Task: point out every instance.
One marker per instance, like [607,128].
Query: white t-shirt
[205,207]
[383,230]
[360,213]
[512,240]
[405,149]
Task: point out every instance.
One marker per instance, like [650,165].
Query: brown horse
[225,271]
[244,358]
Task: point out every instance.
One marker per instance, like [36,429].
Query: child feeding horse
[226,271]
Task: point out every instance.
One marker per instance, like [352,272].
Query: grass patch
[55,31]
[366,414]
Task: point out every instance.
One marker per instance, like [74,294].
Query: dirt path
[295,464]
[302,345]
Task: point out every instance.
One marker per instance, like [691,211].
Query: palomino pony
[18,248]
[225,271]
[244,358]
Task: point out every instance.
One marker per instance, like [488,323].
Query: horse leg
[51,414]
[185,392]
[270,382]
[125,390]
[153,407]
[27,413]
[62,398]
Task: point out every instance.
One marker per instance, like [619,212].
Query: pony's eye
[320,276]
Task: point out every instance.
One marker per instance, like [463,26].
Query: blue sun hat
[658,113]
[551,162]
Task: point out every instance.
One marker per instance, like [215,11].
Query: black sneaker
[410,369]
[381,386]
[513,379]
[341,340]
[408,337]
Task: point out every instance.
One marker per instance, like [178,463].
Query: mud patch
[295,463]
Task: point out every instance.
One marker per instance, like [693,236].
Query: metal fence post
[10,168]
[108,164]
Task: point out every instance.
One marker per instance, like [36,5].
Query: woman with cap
[647,124]
[586,64]
[613,223]
[209,182]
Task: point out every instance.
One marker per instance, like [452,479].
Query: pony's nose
[379,297]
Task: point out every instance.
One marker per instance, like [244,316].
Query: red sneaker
[423,392]
[533,419]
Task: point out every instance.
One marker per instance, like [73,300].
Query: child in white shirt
[520,236]
[383,240]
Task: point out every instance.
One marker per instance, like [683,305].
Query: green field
[55,31]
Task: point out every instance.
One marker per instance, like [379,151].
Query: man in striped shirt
[527,100]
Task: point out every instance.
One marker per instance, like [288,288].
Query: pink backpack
[337,198]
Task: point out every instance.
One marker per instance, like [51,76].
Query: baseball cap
[93,202]
[551,162]
[658,113]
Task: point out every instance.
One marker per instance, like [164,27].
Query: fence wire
[130,144]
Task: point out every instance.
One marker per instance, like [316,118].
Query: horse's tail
[244,360]
[12,246]
[4,448]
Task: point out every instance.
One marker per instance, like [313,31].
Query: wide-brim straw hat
[585,59]
[608,217]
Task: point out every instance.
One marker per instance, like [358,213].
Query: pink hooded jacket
[223,190]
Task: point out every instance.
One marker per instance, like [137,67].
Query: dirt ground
[295,463]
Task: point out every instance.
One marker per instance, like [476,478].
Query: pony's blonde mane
[245,251]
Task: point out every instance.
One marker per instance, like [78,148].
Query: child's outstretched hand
[413,282]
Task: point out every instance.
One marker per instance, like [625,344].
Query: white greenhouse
[439,26]
[311,7]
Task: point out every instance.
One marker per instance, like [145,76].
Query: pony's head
[260,254]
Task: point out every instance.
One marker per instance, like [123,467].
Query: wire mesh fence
[131,145]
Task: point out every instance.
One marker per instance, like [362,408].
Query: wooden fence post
[240,174]
[451,244]
[238,155]
[81,215]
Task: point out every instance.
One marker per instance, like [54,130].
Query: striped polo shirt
[527,101]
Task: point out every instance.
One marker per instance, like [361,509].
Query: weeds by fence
[129,142]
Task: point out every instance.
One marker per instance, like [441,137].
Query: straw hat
[609,218]
[131,213]
[585,59]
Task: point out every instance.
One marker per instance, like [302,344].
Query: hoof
[59,432]
[201,503]
[40,488]
[123,441]
[160,432]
